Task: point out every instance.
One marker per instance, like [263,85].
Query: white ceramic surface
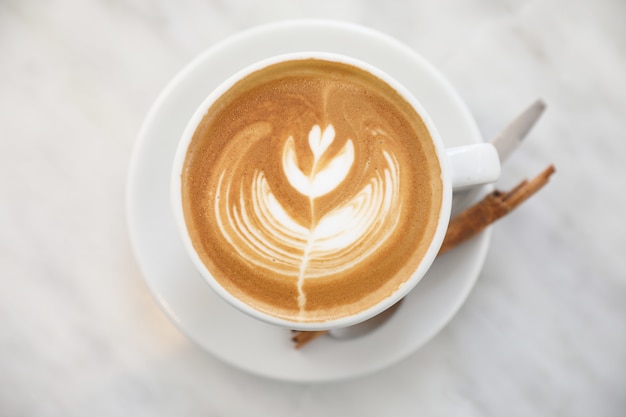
[540,334]
[197,310]
[461,166]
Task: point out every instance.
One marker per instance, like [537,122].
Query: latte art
[311,190]
[259,227]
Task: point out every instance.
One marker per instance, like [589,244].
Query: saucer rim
[482,241]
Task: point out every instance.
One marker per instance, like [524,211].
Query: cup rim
[344,321]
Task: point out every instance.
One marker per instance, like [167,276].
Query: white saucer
[188,301]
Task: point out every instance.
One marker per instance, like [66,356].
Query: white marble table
[544,331]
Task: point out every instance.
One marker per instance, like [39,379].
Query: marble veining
[541,334]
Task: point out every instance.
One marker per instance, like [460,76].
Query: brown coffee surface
[311,190]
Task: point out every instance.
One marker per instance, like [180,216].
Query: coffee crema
[311,190]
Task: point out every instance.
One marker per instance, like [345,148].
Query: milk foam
[311,190]
[325,245]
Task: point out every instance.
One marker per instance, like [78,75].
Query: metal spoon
[506,142]
[365,327]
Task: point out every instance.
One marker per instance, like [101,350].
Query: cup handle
[473,165]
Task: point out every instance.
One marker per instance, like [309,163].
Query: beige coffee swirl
[311,190]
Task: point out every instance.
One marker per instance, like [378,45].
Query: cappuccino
[311,190]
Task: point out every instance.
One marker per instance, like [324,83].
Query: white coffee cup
[461,167]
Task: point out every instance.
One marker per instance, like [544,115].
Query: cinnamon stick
[494,206]
[301,338]
[468,224]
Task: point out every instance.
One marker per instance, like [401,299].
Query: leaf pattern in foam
[323,178]
[320,142]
